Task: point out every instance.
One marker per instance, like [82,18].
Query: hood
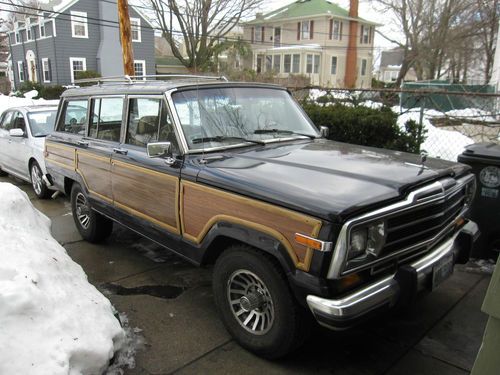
[330,180]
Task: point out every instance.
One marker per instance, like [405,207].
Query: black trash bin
[484,158]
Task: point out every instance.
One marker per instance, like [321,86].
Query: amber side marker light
[312,243]
[460,221]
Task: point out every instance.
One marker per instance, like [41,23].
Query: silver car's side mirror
[324,131]
[16,132]
[159,149]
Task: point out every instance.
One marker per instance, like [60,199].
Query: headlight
[368,239]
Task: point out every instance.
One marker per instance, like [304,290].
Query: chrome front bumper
[340,313]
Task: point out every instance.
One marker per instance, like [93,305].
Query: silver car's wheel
[82,210]
[251,302]
[36,179]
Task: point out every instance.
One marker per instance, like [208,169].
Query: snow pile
[13,101]
[52,321]
[472,114]
[439,143]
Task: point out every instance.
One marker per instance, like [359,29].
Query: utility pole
[351,68]
[126,38]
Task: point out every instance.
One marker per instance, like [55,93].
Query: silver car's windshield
[42,123]
[218,117]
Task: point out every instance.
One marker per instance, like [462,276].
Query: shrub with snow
[52,321]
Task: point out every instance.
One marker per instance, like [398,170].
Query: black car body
[291,220]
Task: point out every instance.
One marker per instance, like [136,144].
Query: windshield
[42,123]
[218,117]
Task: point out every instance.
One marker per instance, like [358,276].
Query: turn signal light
[308,241]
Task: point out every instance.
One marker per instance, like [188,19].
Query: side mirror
[159,149]
[324,131]
[16,132]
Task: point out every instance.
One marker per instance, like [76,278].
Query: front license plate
[442,270]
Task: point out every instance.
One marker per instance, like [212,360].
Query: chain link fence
[448,120]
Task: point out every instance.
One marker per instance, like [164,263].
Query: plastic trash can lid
[483,150]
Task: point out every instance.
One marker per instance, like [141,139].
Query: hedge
[365,126]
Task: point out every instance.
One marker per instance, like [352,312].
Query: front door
[5,125]
[18,148]
[147,188]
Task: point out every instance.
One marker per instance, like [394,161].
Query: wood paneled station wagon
[236,175]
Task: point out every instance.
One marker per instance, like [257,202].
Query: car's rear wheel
[92,226]
[37,182]
[256,304]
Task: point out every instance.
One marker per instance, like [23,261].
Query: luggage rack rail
[141,79]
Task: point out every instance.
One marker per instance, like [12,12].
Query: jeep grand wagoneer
[236,175]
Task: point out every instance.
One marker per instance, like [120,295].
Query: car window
[18,122]
[106,122]
[42,123]
[74,117]
[6,120]
[149,121]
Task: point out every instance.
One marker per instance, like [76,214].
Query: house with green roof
[310,37]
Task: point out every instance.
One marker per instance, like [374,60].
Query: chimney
[351,70]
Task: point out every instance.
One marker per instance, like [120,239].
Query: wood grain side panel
[201,207]
[96,172]
[146,193]
[61,155]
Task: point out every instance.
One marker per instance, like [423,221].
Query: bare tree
[488,16]
[199,25]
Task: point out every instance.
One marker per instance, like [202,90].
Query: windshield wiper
[270,131]
[221,138]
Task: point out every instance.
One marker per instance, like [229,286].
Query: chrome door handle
[83,143]
[120,151]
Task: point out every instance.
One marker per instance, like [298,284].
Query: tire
[282,323]
[92,226]
[37,182]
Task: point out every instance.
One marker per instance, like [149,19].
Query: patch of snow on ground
[481,266]
[52,321]
[472,114]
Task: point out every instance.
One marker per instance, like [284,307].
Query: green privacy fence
[444,102]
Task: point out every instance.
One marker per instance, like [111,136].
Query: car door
[4,139]
[93,156]
[147,189]
[18,148]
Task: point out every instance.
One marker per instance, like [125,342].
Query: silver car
[22,144]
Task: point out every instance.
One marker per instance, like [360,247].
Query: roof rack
[141,79]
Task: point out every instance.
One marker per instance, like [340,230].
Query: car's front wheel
[255,302]
[92,226]
[37,182]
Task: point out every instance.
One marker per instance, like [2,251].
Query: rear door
[18,148]
[144,188]
[93,156]
[4,139]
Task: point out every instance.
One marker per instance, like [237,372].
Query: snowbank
[13,101]
[52,321]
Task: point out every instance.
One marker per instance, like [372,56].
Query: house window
[333,69]
[140,67]
[269,63]
[135,24]
[29,33]
[305,30]
[259,34]
[337,30]
[79,26]
[312,64]
[365,35]
[18,37]
[363,67]
[277,63]
[46,70]
[77,64]
[20,71]
[287,64]
[296,63]
[41,26]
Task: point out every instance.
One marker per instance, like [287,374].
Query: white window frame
[76,59]
[29,31]
[143,63]
[257,34]
[138,26]
[45,64]
[336,65]
[79,18]
[41,26]
[308,23]
[20,69]
[336,30]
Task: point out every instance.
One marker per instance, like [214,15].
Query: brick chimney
[351,70]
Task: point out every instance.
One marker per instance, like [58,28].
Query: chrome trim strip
[382,292]
[410,202]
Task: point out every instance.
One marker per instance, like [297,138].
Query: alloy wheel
[82,210]
[36,179]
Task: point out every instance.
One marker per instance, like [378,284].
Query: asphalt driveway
[171,302]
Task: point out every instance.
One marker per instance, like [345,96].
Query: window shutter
[50,70]
[262,34]
[361,35]
[340,30]
[330,32]
[298,30]
[311,31]
[253,35]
